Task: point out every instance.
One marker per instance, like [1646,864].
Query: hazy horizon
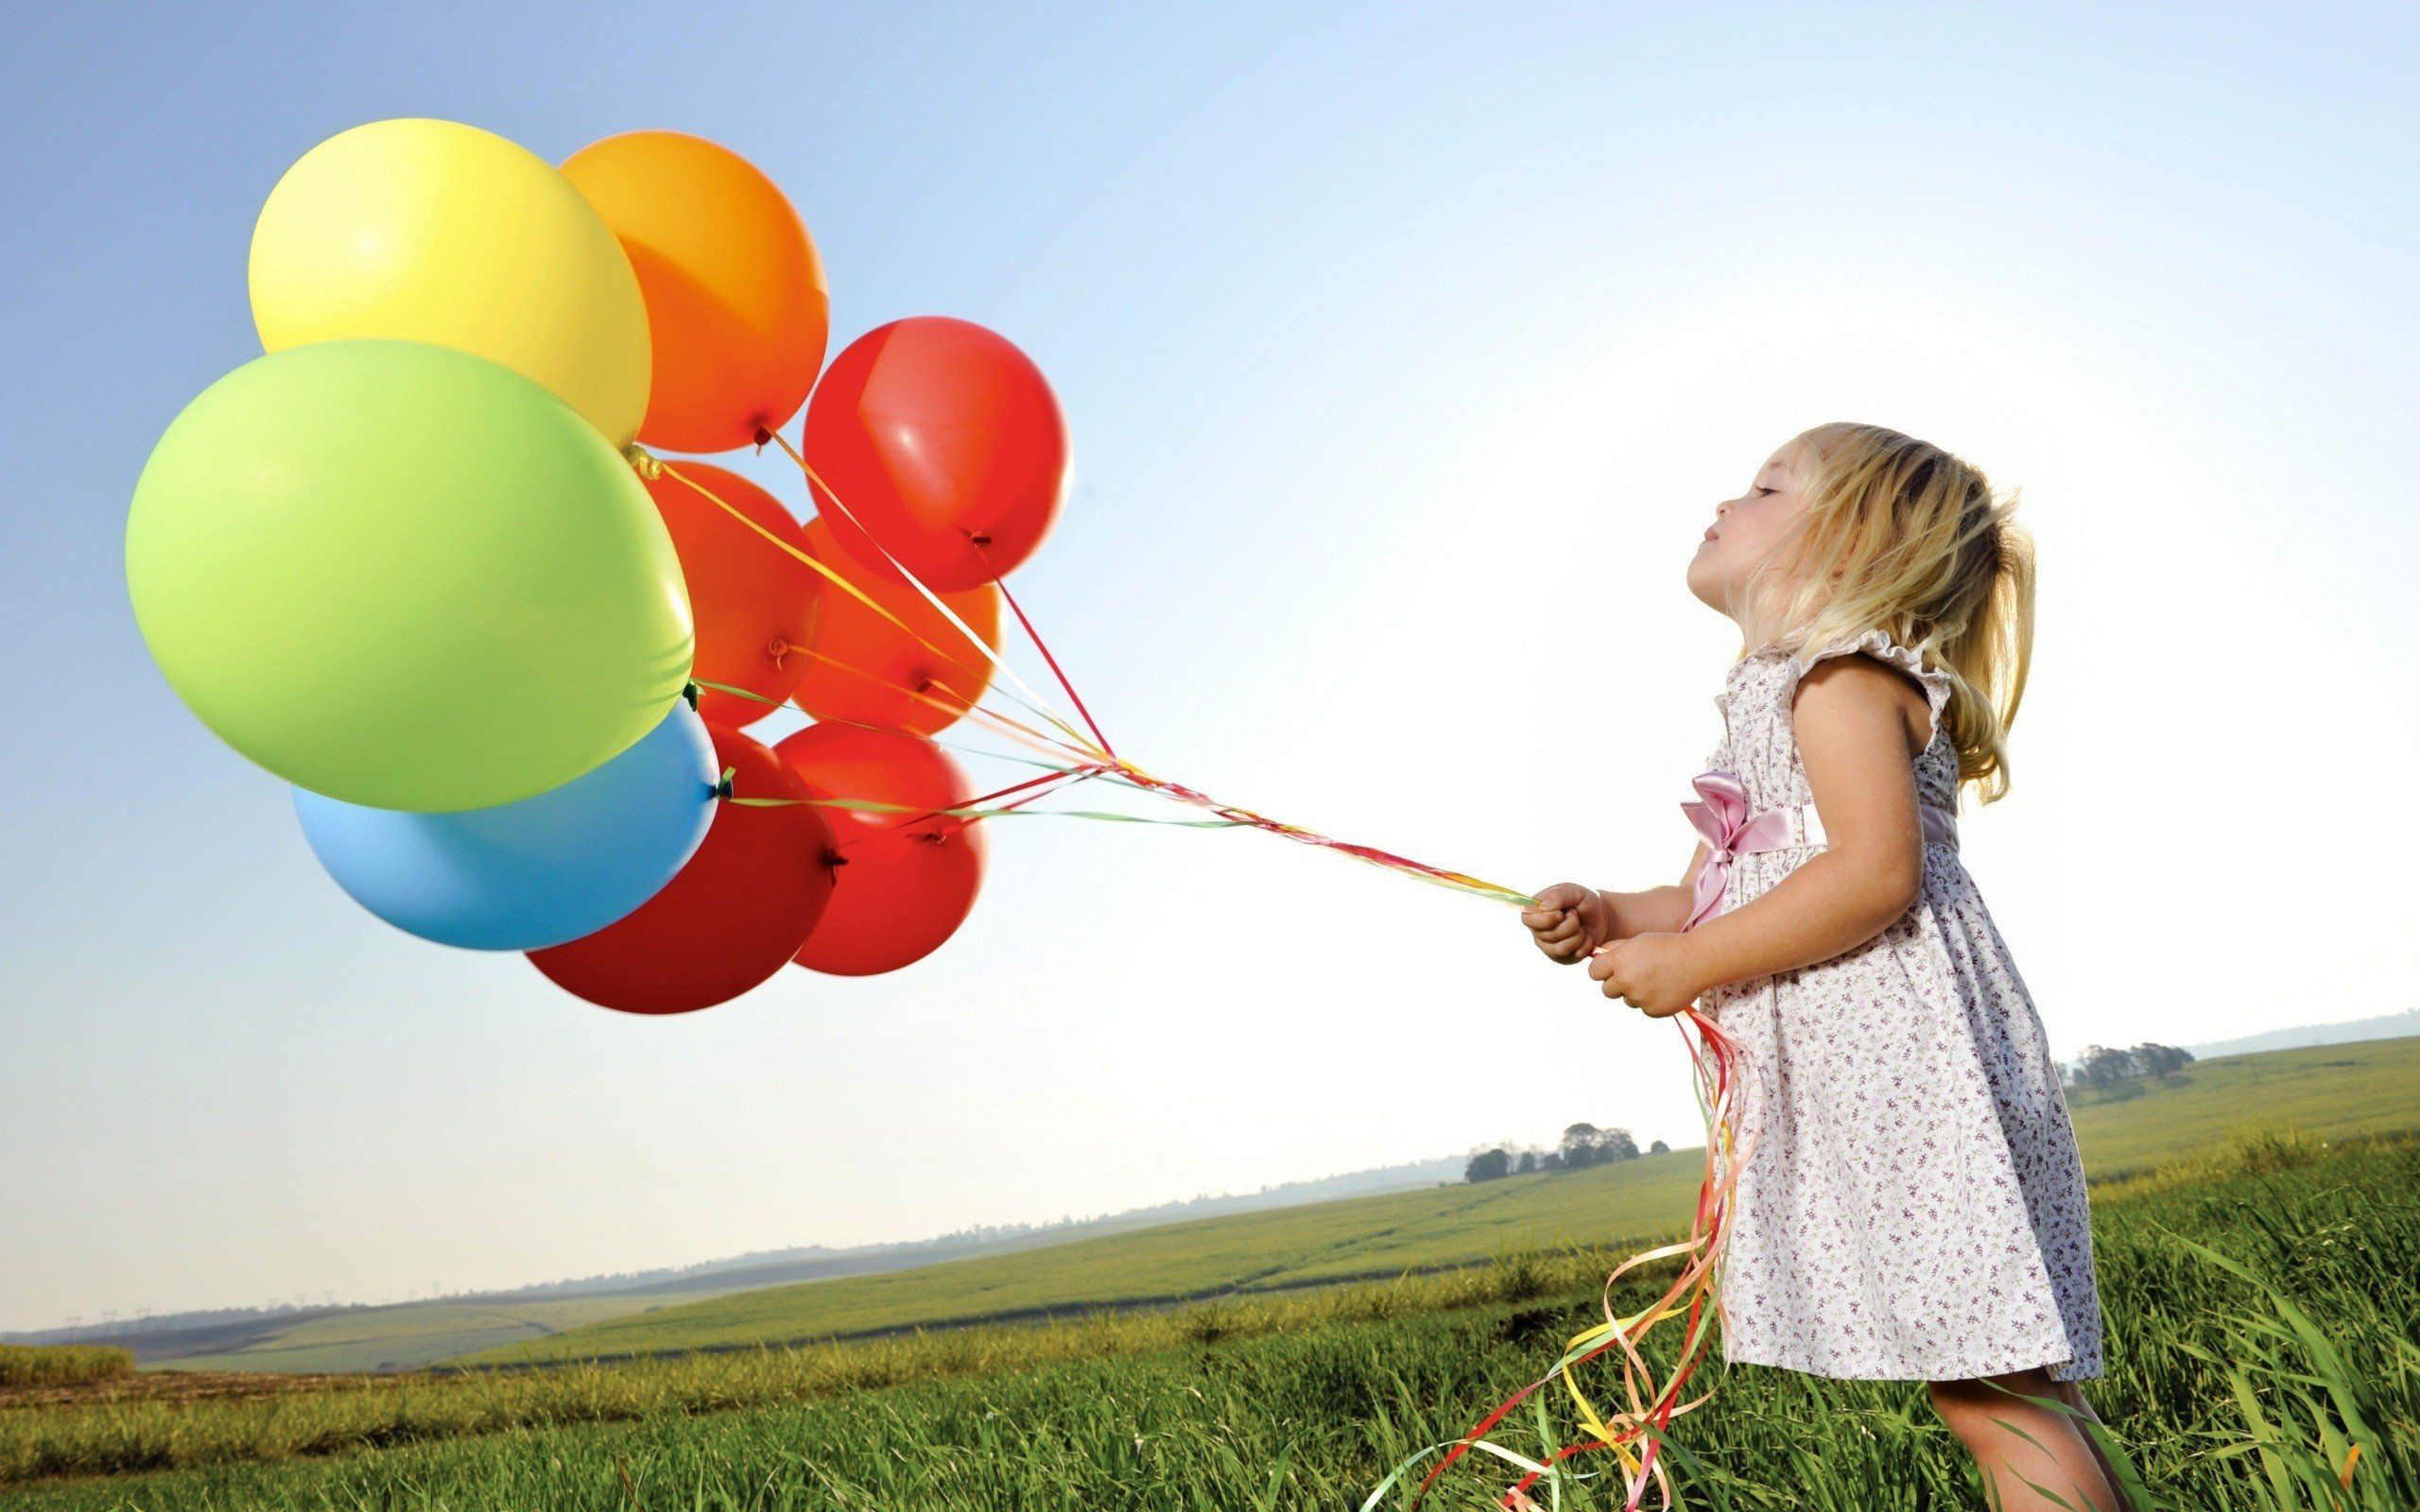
[1405,359]
[1020,1228]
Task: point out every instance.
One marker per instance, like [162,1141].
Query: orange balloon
[903,879]
[753,602]
[736,298]
[860,666]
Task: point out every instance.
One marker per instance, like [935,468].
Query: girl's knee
[1969,1406]
[1953,1403]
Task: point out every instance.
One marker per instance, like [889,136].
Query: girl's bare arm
[1655,910]
[1851,720]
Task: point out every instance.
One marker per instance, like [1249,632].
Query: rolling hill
[408,1336]
[2329,1090]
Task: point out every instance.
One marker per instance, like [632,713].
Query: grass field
[2338,1089]
[2331,1090]
[2294,1383]
[408,1336]
[60,1364]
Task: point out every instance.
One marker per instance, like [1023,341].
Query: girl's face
[1744,533]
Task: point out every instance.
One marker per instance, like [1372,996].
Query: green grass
[2330,1090]
[1324,1241]
[2316,1090]
[61,1365]
[408,1335]
[2262,1307]
[370,1411]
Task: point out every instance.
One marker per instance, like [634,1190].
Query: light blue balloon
[527,875]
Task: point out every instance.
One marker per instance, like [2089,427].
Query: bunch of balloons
[415,561]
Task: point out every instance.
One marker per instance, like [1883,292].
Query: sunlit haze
[1406,359]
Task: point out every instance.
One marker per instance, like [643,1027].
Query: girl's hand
[1656,974]
[1570,921]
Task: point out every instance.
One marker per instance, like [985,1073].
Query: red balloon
[753,602]
[743,905]
[907,880]
[945,442]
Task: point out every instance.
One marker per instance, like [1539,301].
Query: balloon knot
[834,859]
[764,437]
[689,691]
[722,783]
[642,461]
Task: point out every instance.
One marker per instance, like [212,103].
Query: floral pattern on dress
[1913,1207]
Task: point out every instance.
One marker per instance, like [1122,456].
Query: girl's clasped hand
[1654,972]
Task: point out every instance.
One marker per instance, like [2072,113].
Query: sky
[1406,353]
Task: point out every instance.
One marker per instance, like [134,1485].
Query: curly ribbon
[1636,1434]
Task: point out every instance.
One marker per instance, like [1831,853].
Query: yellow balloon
[432,230]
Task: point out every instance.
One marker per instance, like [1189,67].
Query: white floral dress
[1912,1208]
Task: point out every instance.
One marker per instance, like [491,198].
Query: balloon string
[1080,770]
[823,493]
[971,809]
[1000,580]
[1459,881]
[970,814]
[992,719]
[649,466]
[981,807]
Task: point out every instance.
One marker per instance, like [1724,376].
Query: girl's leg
[2032,1455]
[2072,1394]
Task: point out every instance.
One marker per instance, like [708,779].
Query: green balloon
[405,577]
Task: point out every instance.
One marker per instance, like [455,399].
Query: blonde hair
[1900,536]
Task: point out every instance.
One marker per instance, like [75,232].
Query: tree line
[2098,1069]
[1583,1145]
[2101,1068]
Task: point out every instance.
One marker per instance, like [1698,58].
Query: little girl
[1912,1208]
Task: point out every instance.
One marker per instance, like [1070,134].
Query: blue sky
[1406,351]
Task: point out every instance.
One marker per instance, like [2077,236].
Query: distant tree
[1487,1165]
[2154,1060]
[1581,1146]
[1528,1162]
[1617,1145]
[2104,1068]
[1659,1148]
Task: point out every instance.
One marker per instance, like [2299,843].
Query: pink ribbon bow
[1722,815]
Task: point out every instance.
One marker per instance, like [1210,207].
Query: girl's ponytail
[1991,653]
[1901,536]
